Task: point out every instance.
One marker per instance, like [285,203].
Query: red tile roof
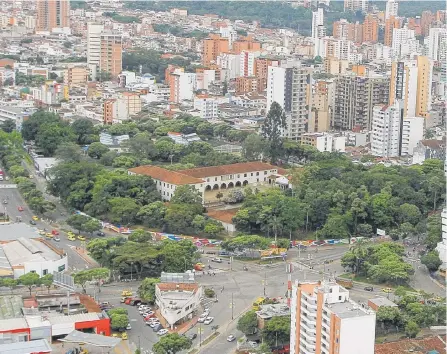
[178,286]
[165,175]
[414,346]
[242,167]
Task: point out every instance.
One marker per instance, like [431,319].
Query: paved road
[15,200]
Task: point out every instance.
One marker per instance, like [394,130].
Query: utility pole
[265,281]
[232,307]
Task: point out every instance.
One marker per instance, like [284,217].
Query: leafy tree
[388,316]
[146,290]
[50,136]
[245,242]
[29,280]
[139,236]
[213,228]
[277,330]
[435,185]
[433,231]
[412,329]
[8,125]
[152,215]
[125,162]
[272,128]
[209,293]
[84,130]
[123,210]
[431,260]
[178,256]
[77,221]
[119,321]
[32,125]
[179,217]
[117,311]
[17,171]
[409,213]
[47,281]
[68,151]
[253,147]
[40,205]
[186,194]
[92,225]
[248,323]
[171,343]
[97,150]
[141,146]
[9,283]
[335,227]
[365,230]
[82,277]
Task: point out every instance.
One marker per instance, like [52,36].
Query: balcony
[306,350]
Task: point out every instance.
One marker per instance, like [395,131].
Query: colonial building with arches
[208,179]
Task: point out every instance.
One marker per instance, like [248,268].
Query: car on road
[32,222]
[231,338]
[20,208]
[369,288]
[100,233]
[56,238]
[5,202]
[387,290]
[202,319]
[192,336]
[81,238]
[252,344]
[69,233]
[126,293]
[217,260]
[71,238]
[128,327]
[35,218]
[124,336]
[162,332]
[48,235]
[55,232]
[154,324]
[208,320]
[157,328]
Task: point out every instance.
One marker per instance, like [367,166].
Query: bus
[258,302]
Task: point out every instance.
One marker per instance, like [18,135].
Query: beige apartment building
[52,14]
[75,75]
[325,321]
[411,82]
[111,54]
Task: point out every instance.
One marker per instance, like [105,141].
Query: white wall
[39,267]
[275,86]
[412,133]
[357,334]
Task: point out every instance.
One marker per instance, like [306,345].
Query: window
[339,298]
[207,179]
[238,176]
[265,172]
[164,184]
[251,174]
[215,179]
[257,173]
[245,175]
[45,272]
[61,268]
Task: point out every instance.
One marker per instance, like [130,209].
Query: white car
[252,344]
[153,324]
[162,332]
[231,338]
[128,327]
[143,307]
[201,319]
[208,320]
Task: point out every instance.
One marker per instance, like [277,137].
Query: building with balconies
[324,320]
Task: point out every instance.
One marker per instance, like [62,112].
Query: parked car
[56,238]
[369,288]
[201,319]
[157,328]
[35,218]
[217,260]
[192,336]
[208,320]
[162,332]
[20,208]
[100,233]
[32,222]
[128,327]
[231,338]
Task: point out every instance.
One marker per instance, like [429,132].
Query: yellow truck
[258,302]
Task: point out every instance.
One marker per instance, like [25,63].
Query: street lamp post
[232,307]
[131,271]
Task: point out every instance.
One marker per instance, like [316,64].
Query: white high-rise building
[386,130]
[318,32]
[247,63]
[404,43]
[207,106]
[230,33]
[230,64]
[287,85]
[436,44]
[325,320]
[94,32]
[391,8]
[412,133]
[356,5]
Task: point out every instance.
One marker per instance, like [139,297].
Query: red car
[55,232]
[20,208]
